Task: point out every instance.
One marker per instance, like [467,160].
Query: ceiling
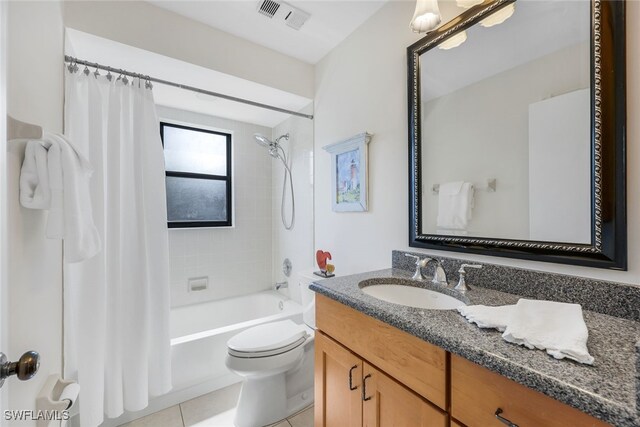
[330,23]
[107,52]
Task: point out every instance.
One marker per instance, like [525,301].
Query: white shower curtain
[116,304]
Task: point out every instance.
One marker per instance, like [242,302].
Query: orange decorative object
[321,259]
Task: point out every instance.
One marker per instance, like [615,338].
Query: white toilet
[276,361]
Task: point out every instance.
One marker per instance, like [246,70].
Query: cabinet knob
[504,420]
[351,386]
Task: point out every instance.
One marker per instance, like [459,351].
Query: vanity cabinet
[368,373]
[477,393]
[350,392]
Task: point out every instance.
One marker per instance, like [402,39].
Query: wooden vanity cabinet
[368,373]
[338,384]
[477,393]
[352,393]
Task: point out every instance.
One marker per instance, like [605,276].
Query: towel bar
[490,187]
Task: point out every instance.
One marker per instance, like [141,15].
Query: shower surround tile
[237,259]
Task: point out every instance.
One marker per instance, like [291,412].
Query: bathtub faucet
[280,285]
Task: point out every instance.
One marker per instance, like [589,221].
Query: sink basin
[412,296]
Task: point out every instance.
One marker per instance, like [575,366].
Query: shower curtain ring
[86,70]
[109,76]
[96,73]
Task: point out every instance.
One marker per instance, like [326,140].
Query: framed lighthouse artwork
[349,173]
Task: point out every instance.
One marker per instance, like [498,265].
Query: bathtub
[199,334]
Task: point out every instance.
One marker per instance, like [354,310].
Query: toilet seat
[269,339]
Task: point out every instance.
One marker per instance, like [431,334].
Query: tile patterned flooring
[215,409]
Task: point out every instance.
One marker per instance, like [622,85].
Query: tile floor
[215,409]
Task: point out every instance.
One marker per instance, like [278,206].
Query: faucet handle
[420,263]
[462,284]
[463,266]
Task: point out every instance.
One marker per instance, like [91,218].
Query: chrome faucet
[420,264]
[281,285]
[462,284]
[439,275]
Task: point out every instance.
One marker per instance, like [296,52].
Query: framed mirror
[517,133]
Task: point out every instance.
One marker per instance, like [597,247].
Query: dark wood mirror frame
[608,247]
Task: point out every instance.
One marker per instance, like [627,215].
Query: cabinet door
[386,403]
[338,385]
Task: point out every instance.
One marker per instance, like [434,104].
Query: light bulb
[453,41]
[499,17]
[466,4]
[426,17]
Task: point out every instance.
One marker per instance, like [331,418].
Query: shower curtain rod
[118,71]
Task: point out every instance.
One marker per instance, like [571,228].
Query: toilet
[276,361]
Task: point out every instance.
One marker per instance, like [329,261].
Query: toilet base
[262,401]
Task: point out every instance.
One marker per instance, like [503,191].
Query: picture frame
[350,173]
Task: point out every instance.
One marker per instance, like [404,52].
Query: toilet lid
[268,336]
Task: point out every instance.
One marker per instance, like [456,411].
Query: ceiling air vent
[283,12]
[268,8]
[296,18]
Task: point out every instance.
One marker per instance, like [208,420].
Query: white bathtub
[199,334]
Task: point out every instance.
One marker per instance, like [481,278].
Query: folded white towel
[55,176]
[455,205]
[486,316]
[556,327]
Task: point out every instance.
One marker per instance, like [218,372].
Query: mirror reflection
[506,126]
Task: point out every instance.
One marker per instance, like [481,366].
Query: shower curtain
[116,304]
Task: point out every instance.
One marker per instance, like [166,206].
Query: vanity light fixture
[499,17]
[426,17]
[466,4]
[454,41]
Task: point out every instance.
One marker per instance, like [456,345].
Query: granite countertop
[606,390]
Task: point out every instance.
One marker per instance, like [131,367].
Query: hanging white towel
[556,327]
[487,316]
[455,205]
[55,177]
[35,192]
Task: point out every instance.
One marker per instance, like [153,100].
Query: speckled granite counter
[606,390]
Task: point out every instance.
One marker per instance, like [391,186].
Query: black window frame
[227,178]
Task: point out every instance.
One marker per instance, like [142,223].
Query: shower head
[263,140]
[266,142]
[273,146]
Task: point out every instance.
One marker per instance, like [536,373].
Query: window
[198,169]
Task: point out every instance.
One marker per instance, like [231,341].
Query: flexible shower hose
[287,175]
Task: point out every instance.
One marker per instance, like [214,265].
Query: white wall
[297,243]
[361,85]
[140,24]
[35,95]
[236,259]
[481,131]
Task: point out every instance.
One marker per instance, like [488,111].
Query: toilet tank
[308,299]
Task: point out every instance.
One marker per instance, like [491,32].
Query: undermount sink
[410,296]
